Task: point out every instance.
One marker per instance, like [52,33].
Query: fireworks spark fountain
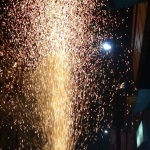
[58,32]
[55,75]
[61,27]
[64,28]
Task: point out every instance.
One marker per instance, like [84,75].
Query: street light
[106,46]
[106,131]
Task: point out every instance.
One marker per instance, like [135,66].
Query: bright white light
[106,46]
[139,135]
[106,131]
